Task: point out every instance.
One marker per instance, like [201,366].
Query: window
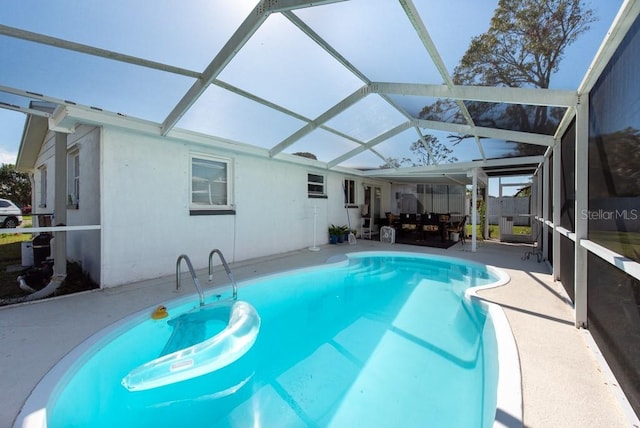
[210,187]
[73,179]
[43,187]
[349,192]
[315,186]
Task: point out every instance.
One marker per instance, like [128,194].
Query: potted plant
[334,233]
[344,235]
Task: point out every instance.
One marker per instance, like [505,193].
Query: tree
[395,163]
[427,151]
[523,47]
[525,192]
[305,155]
[14,185]
[430,151]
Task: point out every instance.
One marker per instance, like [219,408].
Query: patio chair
[459,229]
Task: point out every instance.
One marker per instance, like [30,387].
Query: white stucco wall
[146,222]
[136,186]
[45,162]
[82,246]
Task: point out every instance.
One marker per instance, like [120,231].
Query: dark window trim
[318,197]
[212,212]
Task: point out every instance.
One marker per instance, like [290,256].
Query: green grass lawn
[11,259]
[624,243]
[494,230]
[10,255]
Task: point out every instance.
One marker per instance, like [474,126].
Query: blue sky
[372,34]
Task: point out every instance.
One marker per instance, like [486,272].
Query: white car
[10,214]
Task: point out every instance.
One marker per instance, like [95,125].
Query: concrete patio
[563,383]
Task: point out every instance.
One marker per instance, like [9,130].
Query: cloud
[6,157]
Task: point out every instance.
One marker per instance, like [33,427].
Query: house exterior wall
[146,221]
[82,246]
[44,165]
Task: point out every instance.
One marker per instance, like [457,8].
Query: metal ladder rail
[193,276]
[226,268]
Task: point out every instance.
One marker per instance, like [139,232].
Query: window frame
[323,185]
[212,208]
[73,178]
[350,193]
[42,203]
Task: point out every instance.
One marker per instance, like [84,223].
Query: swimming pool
[373,339]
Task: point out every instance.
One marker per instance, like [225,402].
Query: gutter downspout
[48,290]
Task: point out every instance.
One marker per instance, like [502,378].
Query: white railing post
[557,203]
[581,207]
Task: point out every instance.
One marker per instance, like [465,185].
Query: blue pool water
[376,339]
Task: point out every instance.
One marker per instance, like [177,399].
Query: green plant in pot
[334,233]
[344,233]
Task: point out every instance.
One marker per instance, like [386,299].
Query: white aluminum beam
[35,96]
[625,264]
[483,132]
[489,94]
[460,166]
[625,18]
[53,229]
[474,211]
[92,50]
[545,206]
[25,110]
[245,31]
[326,46]
[423,34]
[480,146]
[348,65]
[281,109]
[324,117]
[581,206]
[623,21]
[285,5]
[379,139]
[66,117]
[565,121]
[556,207]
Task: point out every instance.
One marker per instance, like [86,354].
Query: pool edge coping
[509,404]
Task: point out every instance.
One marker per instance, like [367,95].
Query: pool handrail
[193,276]
[226,268]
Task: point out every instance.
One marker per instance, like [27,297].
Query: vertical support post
[545,207]
[474,211]
[581,207]
[539,197]
[534,207]
[557,203]
[500,208]
[485,200]
[60,204]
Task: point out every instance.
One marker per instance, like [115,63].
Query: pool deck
[563,384]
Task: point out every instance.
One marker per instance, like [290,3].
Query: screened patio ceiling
[347,81]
